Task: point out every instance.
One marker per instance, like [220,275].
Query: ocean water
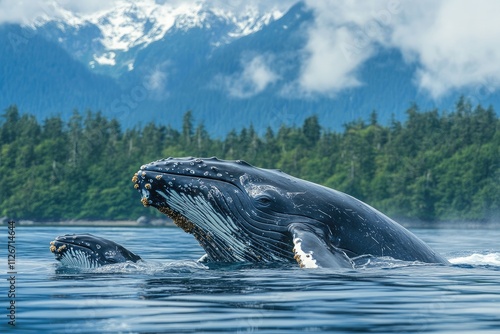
[171,293]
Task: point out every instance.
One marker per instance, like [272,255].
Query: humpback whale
[242,213]
[89,251]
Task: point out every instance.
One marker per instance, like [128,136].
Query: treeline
[433,166]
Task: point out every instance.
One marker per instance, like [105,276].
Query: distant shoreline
[95,223]
[144,222]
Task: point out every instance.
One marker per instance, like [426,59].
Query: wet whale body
[241,213]
[88,251]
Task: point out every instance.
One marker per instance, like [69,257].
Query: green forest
[434,166]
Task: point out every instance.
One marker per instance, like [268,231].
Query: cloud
[256,76]
[87,6]
[29,12]
[25,12]
[454,43]
[339,40]
[241,6]
[156,80]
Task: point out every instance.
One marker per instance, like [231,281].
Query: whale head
[237,212]
[89,251]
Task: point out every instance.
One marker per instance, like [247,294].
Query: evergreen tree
[433,166]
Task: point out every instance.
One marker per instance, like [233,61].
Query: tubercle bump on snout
[56,250]
[149,174]
[135,178]
[189,161]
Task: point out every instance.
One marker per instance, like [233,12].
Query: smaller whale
[88,251]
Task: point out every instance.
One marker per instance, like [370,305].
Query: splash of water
[143,267]
[492,259]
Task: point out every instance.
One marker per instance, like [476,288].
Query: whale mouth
[205,197]
[59,247]
[74,255]
[157,181]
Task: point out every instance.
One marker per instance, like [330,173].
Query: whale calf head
[89,251]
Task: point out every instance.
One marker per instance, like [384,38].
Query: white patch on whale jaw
[304,259]
[74,258]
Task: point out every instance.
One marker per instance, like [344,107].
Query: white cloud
[87,6]
[242,6]
[341,38]
[25,12]
[328,68]
[156,80]
[28,12]
[456,46]
[257,75]
[454,43]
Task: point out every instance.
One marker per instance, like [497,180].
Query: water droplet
[98,246]
[219,175]
[206,173]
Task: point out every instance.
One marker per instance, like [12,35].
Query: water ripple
[171,293]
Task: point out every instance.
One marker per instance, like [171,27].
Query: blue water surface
[172,293]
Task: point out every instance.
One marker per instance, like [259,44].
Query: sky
[453,43]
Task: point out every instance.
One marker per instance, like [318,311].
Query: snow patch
[125,25]
[106,59]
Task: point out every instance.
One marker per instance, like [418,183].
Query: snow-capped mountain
[149,61]
[112,37]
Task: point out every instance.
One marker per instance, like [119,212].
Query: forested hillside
[434,166]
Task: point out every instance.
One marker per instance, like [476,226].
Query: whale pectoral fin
[203,259]
[311,251]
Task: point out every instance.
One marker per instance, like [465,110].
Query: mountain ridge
[248,79]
